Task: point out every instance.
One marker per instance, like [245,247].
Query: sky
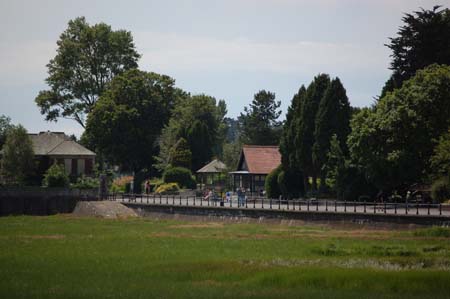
[228,49]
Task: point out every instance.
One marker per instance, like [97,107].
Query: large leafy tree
[259,123]
[18,157]
[333,118]
[424,39]
[88,58]
[5,126]
[128,118]
[306,126]
[198,120]
[393,142]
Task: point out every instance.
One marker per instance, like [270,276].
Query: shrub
[56,177]
[271,184]
[180,175]
[119,184]
[290,184]
[169,188]
[86,183]
[440,190]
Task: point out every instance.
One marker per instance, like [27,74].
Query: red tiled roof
[261,159]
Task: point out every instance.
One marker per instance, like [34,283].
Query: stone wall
[42,201]
[309,216]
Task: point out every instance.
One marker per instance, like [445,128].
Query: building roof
[258,159]
[57,144]
[215,166]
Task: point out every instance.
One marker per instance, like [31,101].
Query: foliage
[423,39]
[440,161]
[332,119]
[271,183]
[119,184]
[290,183]
[167,188]
[56,176]
[128,118]
[85,182]
[230,155]
[180,155]
[197,119]
[393,142]
[259,123]
[306,126]
[88,58]
[18,157]
[440,190]
[180,175]
[5,126]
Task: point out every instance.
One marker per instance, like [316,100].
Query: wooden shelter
[255,163]
[211,174]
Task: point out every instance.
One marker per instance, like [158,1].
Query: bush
[56,176]
[119,184]
[440,190]
[180,175]
[169,188]
[86,183]
[271,184]
[290,184]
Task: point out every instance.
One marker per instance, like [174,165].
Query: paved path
[296,205]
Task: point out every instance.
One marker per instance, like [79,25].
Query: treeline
[402,140]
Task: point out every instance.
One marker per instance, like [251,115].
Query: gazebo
[210,174]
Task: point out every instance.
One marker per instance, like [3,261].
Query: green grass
[65,257]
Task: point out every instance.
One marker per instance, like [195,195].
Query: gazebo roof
[215,166]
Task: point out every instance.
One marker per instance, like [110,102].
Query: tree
[440,161]
[424,39]
[56,176]
[306,126]
[259,123]
[87,59]
[198,120]
[18,156]
[393,142]
[129,116]
[181,155]
[5,126]
[292,180]
[332,119]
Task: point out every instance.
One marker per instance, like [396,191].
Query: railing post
[317,205]
[417,209]
[154,196]
[374,207]
[262,203]
[335,205]
[326,205]
[440,208]
[307,205]
[299,204]
[385,207]
[246,202]
[293,204]
[354,206]
[406,208]
[428,209]
[270,200]
[194,200]
[167,199]
[180,200]
[147,197]
[345,206]
[364,203]
[160,198]
[395,208]
[173,199]
[279,203]
[287,203]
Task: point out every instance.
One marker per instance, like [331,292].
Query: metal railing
[305,205]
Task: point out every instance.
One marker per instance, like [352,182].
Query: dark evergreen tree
[259,123]
[291,179]
[424,39]
[306,127]
[333,118]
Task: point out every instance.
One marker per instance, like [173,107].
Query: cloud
[174,52]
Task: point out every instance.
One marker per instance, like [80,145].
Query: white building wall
[80,163]
[68,166]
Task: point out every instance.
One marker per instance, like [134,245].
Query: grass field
[65,257]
